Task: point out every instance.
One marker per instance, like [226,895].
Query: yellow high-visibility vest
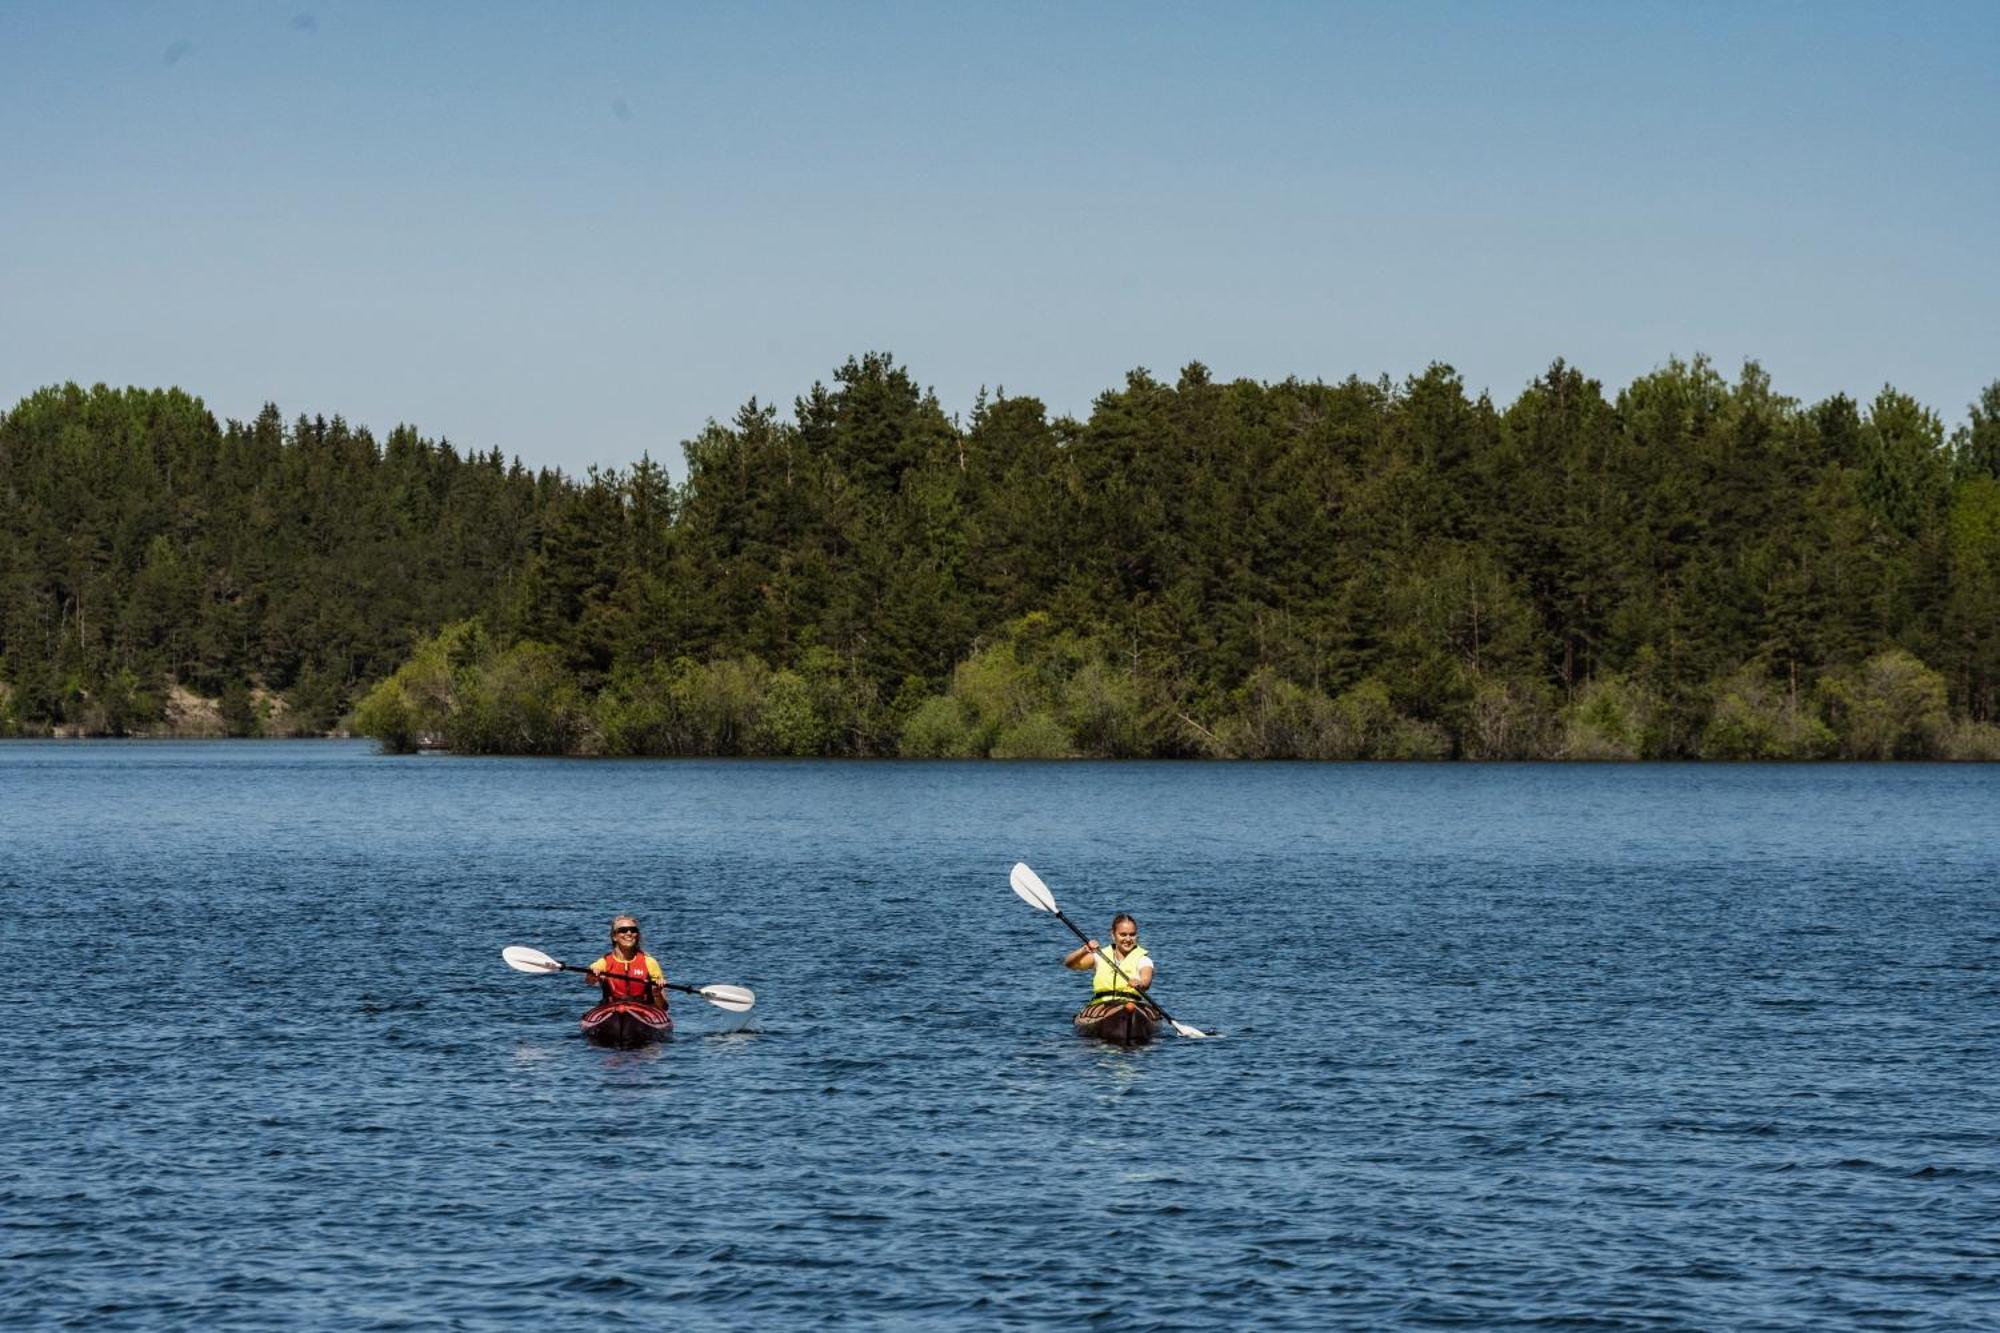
[1106,982]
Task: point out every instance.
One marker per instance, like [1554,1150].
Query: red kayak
[1121,1021]
[626,1023]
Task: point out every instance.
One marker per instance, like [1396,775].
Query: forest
[1690,567]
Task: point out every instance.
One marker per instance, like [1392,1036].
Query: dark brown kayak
[1125,1022]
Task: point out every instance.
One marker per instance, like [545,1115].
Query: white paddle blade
[1029,885]
[736,999]
[523,959]
[1190,1030]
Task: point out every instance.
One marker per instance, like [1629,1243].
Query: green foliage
[1369,727]
[719,703]
[790,722]
[141,536]
[997,690]
[388,715]
[1969,633]
[1103,709]
[1754,718]
[520,700]
[1511,717]
[1890,707]
[1612,718]
[1036,736]
[1275,718]
[1976,447]
[416,706]
[635,712]
[1966,741]
[240,715]
[939,729]
[1367,569]
[118,703]
[729,706]
[313,705]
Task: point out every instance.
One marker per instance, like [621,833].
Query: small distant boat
[626,1023]
[1124,1022]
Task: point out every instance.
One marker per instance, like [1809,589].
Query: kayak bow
[1123,1022]
[626,1023]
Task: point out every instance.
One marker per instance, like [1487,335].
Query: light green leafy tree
[1756,718]
[1612,718]
[1890,707]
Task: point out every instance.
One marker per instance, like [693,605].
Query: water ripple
[1582,1048]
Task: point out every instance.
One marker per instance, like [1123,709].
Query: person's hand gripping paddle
[736,999]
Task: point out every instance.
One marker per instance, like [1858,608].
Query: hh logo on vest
[629,979]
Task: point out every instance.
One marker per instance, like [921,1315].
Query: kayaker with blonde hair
[628,972]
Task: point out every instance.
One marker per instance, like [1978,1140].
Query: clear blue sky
[577,231]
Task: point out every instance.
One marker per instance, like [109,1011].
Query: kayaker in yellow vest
[628,972]
[1132,959]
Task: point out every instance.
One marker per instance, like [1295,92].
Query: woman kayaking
[1118,1010]
[628,972]
[634,1005]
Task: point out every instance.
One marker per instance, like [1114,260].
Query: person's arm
[1082,958]
[657,975]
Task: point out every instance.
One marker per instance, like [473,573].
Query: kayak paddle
[1036,894]
[736,999]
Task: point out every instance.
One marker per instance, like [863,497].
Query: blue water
[1640,1047]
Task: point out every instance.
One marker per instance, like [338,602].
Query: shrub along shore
[1692,567]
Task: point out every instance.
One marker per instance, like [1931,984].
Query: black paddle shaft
[1144,995]
[670,985]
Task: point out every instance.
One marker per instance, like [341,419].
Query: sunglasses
[624,930]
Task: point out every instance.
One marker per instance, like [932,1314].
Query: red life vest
[630,979]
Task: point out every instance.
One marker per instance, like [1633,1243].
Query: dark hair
[1123,916]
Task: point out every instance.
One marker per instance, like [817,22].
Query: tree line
[1690,567]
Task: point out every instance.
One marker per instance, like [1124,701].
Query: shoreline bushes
[1033,694]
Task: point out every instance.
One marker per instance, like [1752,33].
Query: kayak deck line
[626,1023]
[1121,1022]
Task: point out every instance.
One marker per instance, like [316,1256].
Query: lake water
[1640,1047]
